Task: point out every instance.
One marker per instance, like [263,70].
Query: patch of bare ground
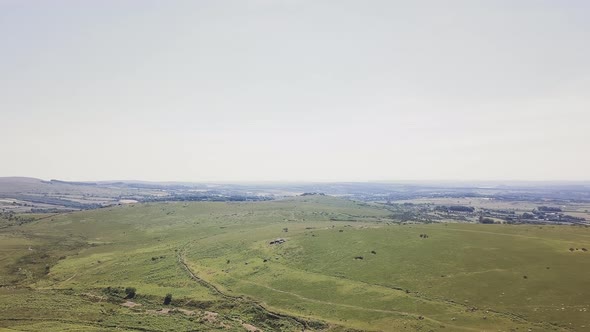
[130,304]
[163,311]
[210,316]
[94,297]
[251,328]
[206,316]
[186,312]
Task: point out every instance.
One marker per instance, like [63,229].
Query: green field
[68,272]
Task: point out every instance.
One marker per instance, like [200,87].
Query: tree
[168,299]
[130,291]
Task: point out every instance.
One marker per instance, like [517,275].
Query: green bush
[130,291]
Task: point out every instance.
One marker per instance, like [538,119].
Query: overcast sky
[295,90]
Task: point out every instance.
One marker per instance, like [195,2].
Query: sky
[291,90]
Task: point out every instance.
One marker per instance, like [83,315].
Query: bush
[130,291]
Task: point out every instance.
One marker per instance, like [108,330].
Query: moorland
[312,262]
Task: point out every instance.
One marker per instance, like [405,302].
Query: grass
[462,277]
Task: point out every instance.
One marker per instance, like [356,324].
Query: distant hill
[25,185]
[19,184]
[23,194]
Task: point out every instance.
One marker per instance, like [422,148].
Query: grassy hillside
[344,265]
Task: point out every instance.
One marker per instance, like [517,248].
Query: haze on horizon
[295,90]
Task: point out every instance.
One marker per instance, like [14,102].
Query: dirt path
[70,278]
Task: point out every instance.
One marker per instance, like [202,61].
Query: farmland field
[344,265]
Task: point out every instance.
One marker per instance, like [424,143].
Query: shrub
[130,291]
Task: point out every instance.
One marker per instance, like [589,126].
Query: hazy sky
[295,90]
